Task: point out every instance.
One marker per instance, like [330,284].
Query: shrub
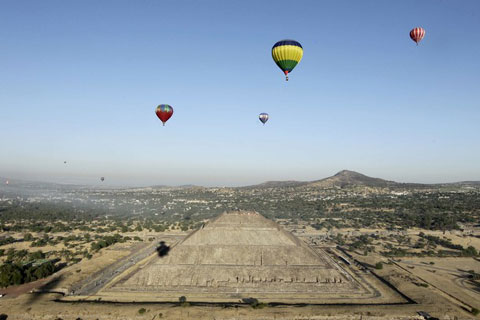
[183,301]
[470,252]
[379,265]
[260,305]
[254,303]
[39,243]
[475,311]
[474,276]
[6,240]
[37,255]
[142,310]
[421,284]
[28,237]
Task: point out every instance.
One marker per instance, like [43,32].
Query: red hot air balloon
[164,112]
[417,34]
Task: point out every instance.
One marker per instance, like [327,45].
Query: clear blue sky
[80,80]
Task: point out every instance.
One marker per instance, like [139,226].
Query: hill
[351,178]
[344,178]
[278,184]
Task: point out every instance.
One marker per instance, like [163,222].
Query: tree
[28,237]
[37,255]
[10,274]
[44,270]
[470,251]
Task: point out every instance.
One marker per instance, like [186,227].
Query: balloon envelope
[263,117]
[417,34]
[164,112]
[287,54]
[102,178]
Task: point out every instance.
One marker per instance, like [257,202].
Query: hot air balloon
[263,117]
[287,54]
[417,34]
[65,162]
[164,112]
[102,178]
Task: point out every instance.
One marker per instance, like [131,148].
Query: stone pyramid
[240,253]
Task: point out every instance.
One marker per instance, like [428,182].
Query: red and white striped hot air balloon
[417,34]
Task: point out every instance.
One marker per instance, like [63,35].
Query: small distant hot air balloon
[263,117]
[102,178]
[65,162]
[287,54]
[164,112]
[7,182]
[417,34]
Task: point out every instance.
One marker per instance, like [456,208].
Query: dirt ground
[449,275]
[440,297]
[429,299]
[448,295]
[42,307]
[455,236]
[72,274]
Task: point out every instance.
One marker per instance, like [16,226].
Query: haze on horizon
[79,82]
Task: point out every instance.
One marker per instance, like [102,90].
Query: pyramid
[240,254]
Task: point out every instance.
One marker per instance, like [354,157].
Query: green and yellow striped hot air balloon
[287,54]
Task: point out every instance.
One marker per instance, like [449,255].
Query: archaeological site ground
[240,256]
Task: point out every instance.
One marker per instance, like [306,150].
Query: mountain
[351,178]
[278,184]
[342,179]
[463,183]
[165,186]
